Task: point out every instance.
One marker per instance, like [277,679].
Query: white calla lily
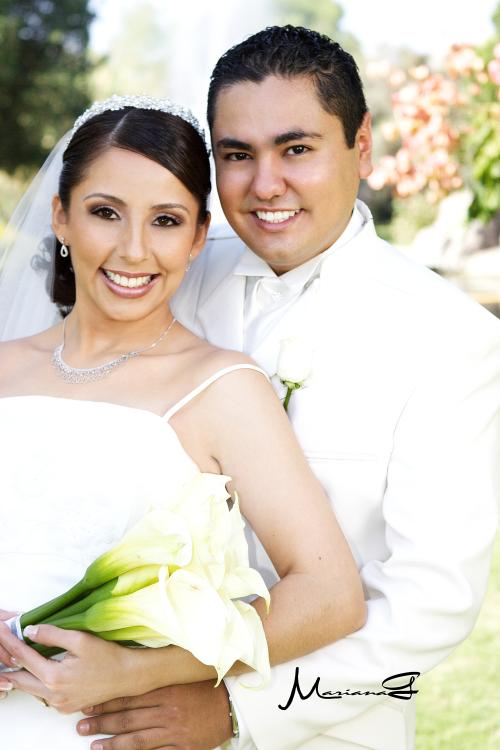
[172,579]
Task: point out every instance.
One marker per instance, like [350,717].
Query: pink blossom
[390,131]
[378,69]
[378,179]
[494,69]
[397,78]
[420,72]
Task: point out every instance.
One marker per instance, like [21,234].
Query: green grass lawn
[458,706]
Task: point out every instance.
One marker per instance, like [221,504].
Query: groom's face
[286,178]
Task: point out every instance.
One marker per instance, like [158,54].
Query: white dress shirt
[269,296]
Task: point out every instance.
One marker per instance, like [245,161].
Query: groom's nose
[268,179]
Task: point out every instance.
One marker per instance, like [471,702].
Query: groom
[399,418]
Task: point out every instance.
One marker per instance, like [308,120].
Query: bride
[117,405]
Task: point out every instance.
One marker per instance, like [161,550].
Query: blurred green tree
[324,16]
[137,59]
[43,75]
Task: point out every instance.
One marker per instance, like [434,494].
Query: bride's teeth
[275,217]
[126,281]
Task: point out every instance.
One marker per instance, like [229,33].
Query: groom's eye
[297,150]
[236,156]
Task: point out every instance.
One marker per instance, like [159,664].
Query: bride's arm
[318,599]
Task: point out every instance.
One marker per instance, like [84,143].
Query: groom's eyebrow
[294,135]
[278,140]
[233,143]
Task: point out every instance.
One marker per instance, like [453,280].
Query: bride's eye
[165,220]
[105,212]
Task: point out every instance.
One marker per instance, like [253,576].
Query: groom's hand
[184,717]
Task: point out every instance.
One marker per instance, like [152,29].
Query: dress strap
[199,388]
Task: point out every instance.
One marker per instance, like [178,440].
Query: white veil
[26,256]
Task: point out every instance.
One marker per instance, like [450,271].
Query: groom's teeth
[275,217]
[126,281]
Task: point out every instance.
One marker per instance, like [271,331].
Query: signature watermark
[396,686]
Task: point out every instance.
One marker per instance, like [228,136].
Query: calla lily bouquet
[176,577]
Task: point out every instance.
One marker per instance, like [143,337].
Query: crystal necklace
[90,374]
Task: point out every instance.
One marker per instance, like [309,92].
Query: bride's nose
[133,243]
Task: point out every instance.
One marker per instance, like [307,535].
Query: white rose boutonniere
[294,364]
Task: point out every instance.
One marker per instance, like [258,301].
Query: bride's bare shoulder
[20,353]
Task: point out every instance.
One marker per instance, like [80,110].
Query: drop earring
[189,262]
[64,252]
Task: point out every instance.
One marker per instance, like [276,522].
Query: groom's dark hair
[289,51]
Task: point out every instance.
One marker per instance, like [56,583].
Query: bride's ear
[200,236]
[59,218]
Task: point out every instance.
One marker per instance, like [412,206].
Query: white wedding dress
[74,476]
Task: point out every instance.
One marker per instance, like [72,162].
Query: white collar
[251,264]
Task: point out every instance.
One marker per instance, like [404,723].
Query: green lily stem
[44,611]
[84,594]
[82,605]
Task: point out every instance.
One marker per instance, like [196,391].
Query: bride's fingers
[5,686]
[49,635]
[5,615]
[19,654]
[4,655]
[25,681]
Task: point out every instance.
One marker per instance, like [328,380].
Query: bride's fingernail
[96,746]
[31,631]
[5,686]
[83,727]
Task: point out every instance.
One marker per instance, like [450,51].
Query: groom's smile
[286,178]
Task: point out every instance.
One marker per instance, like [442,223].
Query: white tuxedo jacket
[400,421]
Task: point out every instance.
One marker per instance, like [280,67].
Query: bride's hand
[4,655]
[93,671]
[5,615]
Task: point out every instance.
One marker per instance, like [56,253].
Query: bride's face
[132,228]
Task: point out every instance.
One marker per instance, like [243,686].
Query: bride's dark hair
[165,138]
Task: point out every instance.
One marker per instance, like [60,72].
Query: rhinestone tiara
[142,101]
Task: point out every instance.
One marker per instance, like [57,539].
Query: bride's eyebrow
[168,206]
[105,197]
[120,202]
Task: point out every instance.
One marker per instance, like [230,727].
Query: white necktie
[266,301]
